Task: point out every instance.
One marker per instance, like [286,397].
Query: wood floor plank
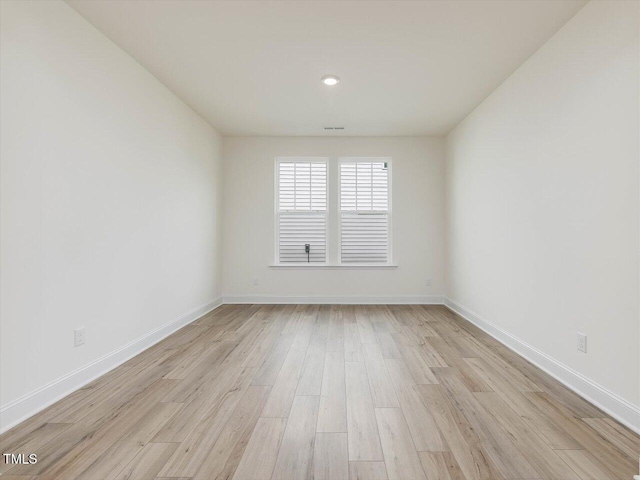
[426,314]
[415,338]
[383,325]
[331,457]
[456,338]
[579,406]
[624,439]
[352,343]
[431,356]
[463,442]
[548,464]
[80,445]
[419,369]
[105,398]
[362,427]
[423,331]
[403,340]
[605,452]
[197,381]
[513,375]
[224,457]
[203,411]
[422,426]
[147,464]
[400,455]
[32,443]
[365,329]
[20,477]
[261,453]
[332,416]
[274,321]
[269,370]
[290,391]
[295,458]
[555,437]
[454,359]
[382,390]
[394,326]
[305,325]
[310,381]
[388,345]
[109,420]
[367,471]
[284,389]
[188,362]
[585,465]
[335,335]
[440,466]
[200,440]
[118,455]
[495,442]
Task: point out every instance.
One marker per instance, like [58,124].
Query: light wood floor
[325,392]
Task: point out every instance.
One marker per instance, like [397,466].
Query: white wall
[110,201]
[248,227]
[543,201]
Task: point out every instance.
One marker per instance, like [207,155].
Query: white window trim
[279,160]
[334,266]
[389,212]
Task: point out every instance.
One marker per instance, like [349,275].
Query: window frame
[300,159]
[389,211]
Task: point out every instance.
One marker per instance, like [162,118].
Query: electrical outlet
[255,280]
[79,336]
[582,343]
[428,282]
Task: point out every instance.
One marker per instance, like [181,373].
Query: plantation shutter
[364,212]
[302,211]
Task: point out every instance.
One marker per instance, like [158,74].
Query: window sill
[328,266]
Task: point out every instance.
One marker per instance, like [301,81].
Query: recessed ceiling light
[330,80]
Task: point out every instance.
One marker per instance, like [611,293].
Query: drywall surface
[110,197]
[542,200]
[249,222]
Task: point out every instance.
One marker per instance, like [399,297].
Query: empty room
[319,239]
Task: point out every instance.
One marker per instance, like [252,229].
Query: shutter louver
[302,206]
[364,212]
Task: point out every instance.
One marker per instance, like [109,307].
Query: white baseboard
[619,408]
[335,300]
[28,405]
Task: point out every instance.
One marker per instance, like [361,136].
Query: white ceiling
[254,67]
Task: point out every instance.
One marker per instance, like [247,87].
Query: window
[364,210]
[302,211]
[323,203]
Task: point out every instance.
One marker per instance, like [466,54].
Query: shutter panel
[297,229]
[364,186]
[364,215]
[302,206]
[364,237]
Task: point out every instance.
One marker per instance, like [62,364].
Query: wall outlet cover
[582,342]
[79,336]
